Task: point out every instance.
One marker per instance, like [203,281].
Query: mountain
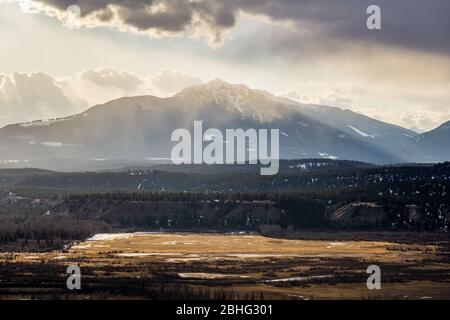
[388,137]
[140,128]
[432,146]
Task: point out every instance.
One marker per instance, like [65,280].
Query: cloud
[109,77]
[167,83]
[414,24]
[105,84]
[409,107]
[27,97]
[419,121]
[157,18]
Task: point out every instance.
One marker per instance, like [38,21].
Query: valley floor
[230,266]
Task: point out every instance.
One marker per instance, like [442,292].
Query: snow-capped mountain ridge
[256,104]
[433,145]
[141,127]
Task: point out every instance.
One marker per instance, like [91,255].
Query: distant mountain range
[432,146]
[139,128]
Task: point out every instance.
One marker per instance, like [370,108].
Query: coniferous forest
[45,209]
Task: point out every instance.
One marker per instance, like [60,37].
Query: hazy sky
[315,51]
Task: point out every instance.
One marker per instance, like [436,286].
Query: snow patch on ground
[337,244]
[300,278]
[110,236]
[147,254]
[201,275]
[256,255]
[31,257]
[81,246]
[42,123]
[13,161]
[327,156]
[114,236]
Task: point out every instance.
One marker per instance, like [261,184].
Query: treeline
[152,212]
[154,180]
[217,197]
[45,231]
[302,209]
[144,199]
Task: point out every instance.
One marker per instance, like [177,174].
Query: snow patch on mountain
[57,144]
[255,104]
[362,133]
[52,144]
[48,122]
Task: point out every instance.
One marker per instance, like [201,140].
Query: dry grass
[248,264]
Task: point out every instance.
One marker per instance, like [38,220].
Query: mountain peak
[443,127]
[238,98]
[146,122]
[446,124]
[217,82]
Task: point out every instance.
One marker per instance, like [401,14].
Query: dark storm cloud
[416,24]
[175,15]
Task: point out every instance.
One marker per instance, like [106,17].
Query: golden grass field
[253,266]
